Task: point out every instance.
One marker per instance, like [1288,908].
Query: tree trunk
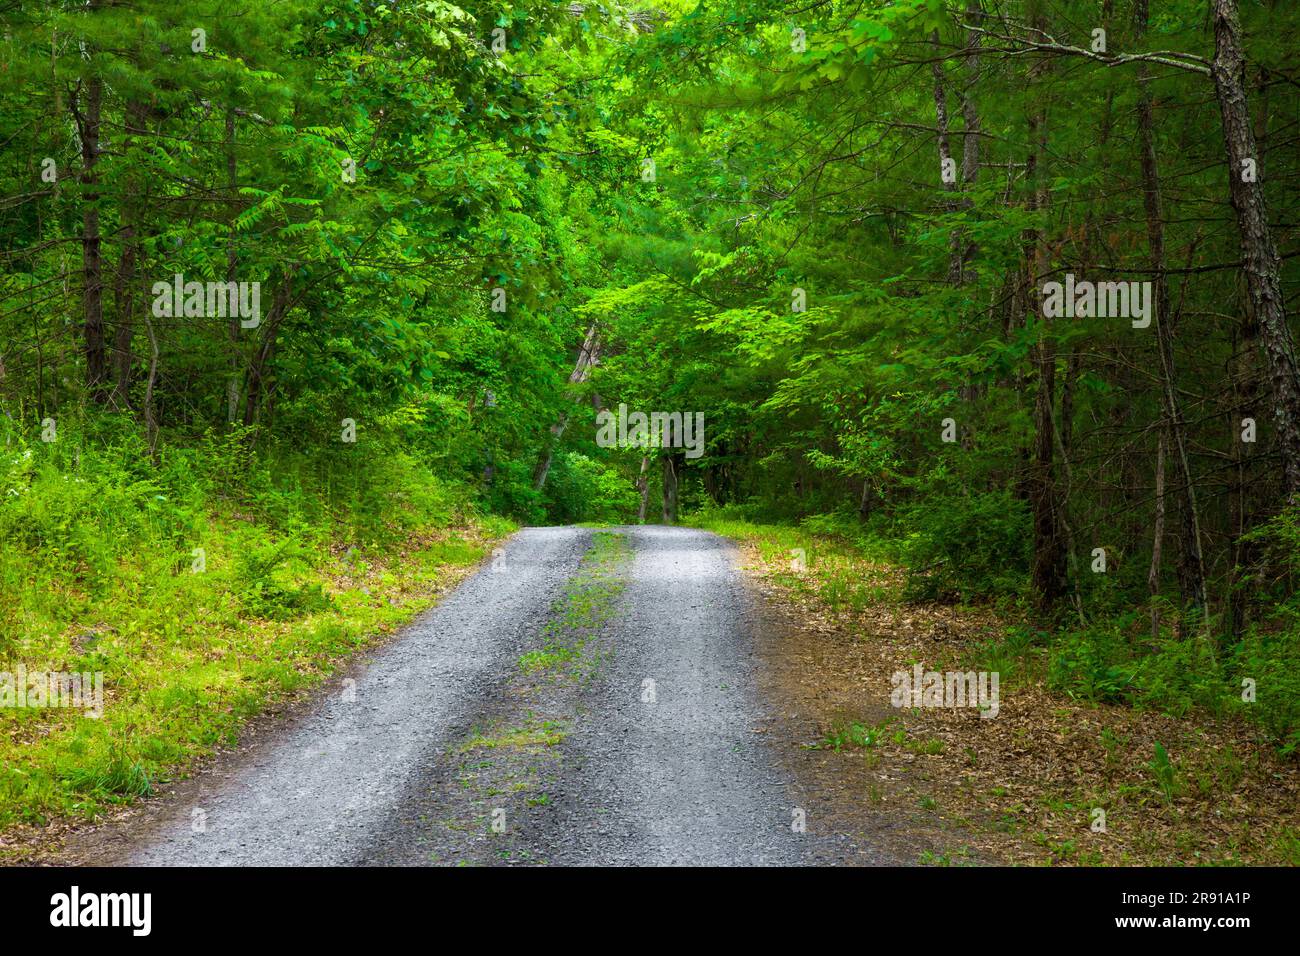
[1245,391]
[126,292]
[1193,571]
[1259,253]
[1157,538]
[232,264]
[256,388]
[970,144]
[125,296]
[588,356]
[92,266]
[670,489]
[1049,555]
[864,502]
[946,161]
[643,486]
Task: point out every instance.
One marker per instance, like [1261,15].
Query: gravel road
[324,792]
[664,760]
[670,766]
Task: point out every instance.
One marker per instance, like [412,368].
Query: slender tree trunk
[970,148]
[232,265]
[1245,390]
[125,296]
[670,489]
[947,166]
[256,388]
[959,250]
[1157,538]
[1049,555]
[1259,253]
[643,486]
[1190,525]
[588,356]
[92,266]
[126,293]
[150,410]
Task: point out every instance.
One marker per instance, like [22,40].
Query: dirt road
[588,697]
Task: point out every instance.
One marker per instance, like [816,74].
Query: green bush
[1272,661]
[580,488]
[967,547]
[1116,663]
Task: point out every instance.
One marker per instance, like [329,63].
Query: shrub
[580,488]
[966,547]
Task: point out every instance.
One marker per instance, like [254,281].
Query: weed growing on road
[508,767]
[590,600]
[534,733]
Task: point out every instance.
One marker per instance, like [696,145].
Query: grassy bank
[205,588]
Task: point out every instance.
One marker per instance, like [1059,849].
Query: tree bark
[1157,538]
[670,489]
[643,486]
[945,160]
[1259,253]
[970,144]
[150,409]
[256,389]
[1049,555]
[126,293]
[864,502]
[1245,402]
[232,264]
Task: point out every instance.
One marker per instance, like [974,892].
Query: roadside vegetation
[1108,660]
[205,589]
[1182,770]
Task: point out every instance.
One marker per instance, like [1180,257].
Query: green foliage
[781,172]
[854,734]
[262,573]
[100,572]
[1166,776]
[1115,662]
[1093,665]
[966,548]
[582,489]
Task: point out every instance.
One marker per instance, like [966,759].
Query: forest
[999,293]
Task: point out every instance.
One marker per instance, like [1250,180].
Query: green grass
[853,734]
[931,747]
[958,857]
[303,563]
[535,733]
[590,599]
[1165,774]
[847,574]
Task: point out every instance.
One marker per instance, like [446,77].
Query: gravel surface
[684,779]
[663,761]
[323,793]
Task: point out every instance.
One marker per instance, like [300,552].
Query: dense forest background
[827,226]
